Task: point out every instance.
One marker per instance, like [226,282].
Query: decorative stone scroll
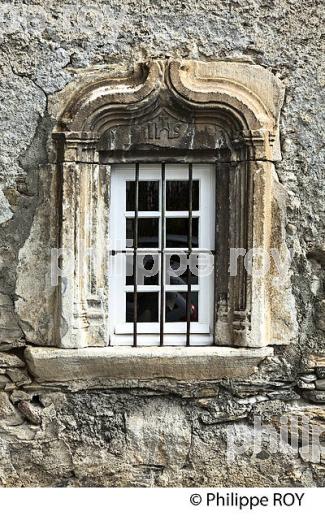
[177,110]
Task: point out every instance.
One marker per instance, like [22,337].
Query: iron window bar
[216,225]
[162,255]
[190,230]
[135,248]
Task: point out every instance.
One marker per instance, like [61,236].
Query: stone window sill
[142,363]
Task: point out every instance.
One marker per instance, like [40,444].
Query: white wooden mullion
[143,214]
[156,214]
[142,288]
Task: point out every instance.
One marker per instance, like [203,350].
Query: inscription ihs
[163,127]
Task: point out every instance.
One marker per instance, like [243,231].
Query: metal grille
[161,251]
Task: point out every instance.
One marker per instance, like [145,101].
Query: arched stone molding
[172,110]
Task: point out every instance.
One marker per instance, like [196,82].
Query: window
[221,117]
[162,221]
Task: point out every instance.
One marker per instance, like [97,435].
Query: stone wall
[158,432]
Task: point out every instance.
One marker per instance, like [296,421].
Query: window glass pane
[176,306]
[148,229]
[177,232]
[148,196]
[177,196]
[147,307]
[147,269]
[177,269]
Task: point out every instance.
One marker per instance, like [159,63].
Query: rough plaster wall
[153,437]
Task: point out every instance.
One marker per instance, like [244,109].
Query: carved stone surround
[223,112]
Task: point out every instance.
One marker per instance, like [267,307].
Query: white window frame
[121,333]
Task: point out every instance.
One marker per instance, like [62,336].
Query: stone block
[181,363]
[316,361]
[315,396]
[320,384]
[320,371]
[10,361]
[19,377]
[8,413]
[3,381]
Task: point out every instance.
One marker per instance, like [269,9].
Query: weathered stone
[18,377]
[283,314]
[10,361]
[35,305]
[320,372]
[253,399]
[315,396]
[3,381]
[19,395]
[320,384]
[9,387]
[208,392]
[5,211]
[223,417]
[284,395]
[196,363]
[9,328]
[158,434]
[10,347]
[45,400]
[305,386]
[320,315]
[8,414]
[32,414]
[316,361]
[257,387]
[308,378]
